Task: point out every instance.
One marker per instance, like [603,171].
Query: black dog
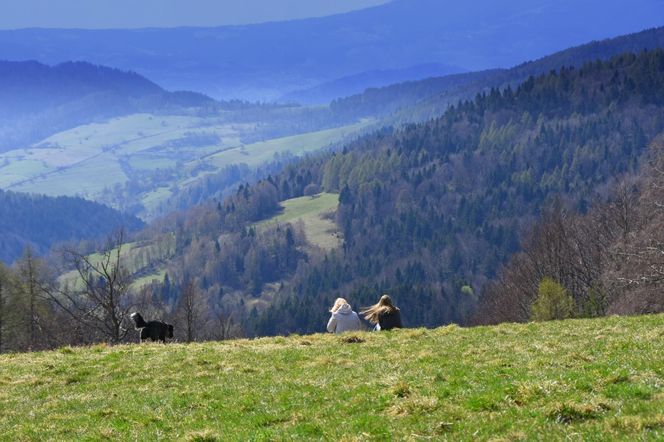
[155,330]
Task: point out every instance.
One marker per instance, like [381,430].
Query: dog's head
[170,331]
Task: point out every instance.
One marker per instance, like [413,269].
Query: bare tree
[3,304]
[569,248]
[31,276]
[225,327]
[99,296]
[638,258]
[190,310]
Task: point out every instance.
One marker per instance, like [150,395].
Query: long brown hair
[383,306]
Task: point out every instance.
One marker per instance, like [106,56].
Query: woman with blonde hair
[343,318]
[384,315]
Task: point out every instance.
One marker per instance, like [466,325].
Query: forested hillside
[429,212]
[41,222]
[607,260]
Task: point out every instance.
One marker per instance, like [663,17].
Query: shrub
[553,302]
[311,190]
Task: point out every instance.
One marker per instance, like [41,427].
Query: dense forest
[42,222]
[429,212]
[607,260]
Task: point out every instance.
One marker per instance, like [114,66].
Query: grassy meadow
[599,379]
[312,211]
[256,153]
[90,159]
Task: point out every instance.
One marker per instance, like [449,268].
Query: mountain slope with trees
[421,100]
[428,212]
[605,261]
[41,222]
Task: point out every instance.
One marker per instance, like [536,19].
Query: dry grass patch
[567,413]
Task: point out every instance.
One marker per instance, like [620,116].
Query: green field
[311,211]
[257,153]
[85,160]
[589,380]
[91,160]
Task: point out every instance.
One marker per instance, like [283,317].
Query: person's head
[340,302]
[385,301]
[374,312]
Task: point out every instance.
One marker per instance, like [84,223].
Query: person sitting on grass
[384,315]
[343,318]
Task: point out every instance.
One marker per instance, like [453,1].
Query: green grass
[154,276]
[257,153]
[574,380]
[86,159]
[86,179]
[20,170]
[151,200]
[311,210]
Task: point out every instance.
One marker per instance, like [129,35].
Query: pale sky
[96,14]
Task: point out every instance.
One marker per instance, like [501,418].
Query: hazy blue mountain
[41,222]
[420,100]
[354,84]
[37,100]
[272,59]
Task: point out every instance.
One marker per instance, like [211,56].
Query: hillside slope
[429,212]
[583,379]
[41,222]
[414,101]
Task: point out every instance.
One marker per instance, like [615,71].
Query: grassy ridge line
[582,379]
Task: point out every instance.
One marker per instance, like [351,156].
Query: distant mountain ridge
[420,100]
[37,100]
[23,82]
[266,61]
[20,82]
[326,92]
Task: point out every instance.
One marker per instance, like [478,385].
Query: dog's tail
[138,319]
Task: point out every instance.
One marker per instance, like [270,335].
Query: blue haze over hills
[270,60]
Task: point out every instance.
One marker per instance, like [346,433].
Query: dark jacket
[390,320]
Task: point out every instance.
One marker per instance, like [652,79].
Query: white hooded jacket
[344,319]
